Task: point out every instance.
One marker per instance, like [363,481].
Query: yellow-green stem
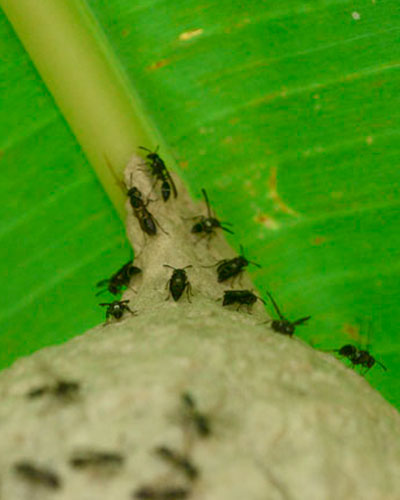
[74,59]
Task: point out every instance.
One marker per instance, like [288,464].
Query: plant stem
[78,66]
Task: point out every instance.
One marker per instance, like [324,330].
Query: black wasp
[207,225]
[37,475]
[283,325]
[119,280]
[240,297]
[146,220]
[178,282]
[358,357]
[179,461]
[230,268]
[62,389]
[117,308]
[160,172]
[167,493]
[192,414]
[86,459]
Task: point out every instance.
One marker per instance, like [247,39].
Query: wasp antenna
[189,265]
[301,320]
[262,300]
[103,282]
[167,265]
[207,202]
[254,263]
[227,230]
[382,365]
[212,265]
[111,169]
[101,291]
[276,306]
[145,149]
[191,218]
[105,304]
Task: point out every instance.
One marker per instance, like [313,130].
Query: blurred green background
[288,114]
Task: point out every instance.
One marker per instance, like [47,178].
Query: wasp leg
[200,239]
[189,291]
[166,286]
[159,225]
[134,313]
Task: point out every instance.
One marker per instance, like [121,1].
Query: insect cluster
[38,476]
[196,425]
[205,226]
[227,270]
[182,475]
[115,285]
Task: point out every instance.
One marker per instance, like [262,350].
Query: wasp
[207,225]
[85,459]
[358,357]
[199,420]
[169,493]
[120,279]
[178,283]
[63,389]
[179,461]
[230,268]
[240,297]
[160,172]
[116,309]
[146,220]
[283,325]
[38,476]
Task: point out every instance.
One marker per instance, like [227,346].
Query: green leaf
[286,113]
